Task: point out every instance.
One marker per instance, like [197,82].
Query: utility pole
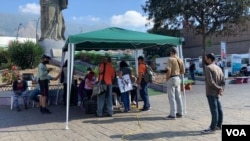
[18,28]
[37,22]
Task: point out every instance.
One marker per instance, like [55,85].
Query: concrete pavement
[30,125]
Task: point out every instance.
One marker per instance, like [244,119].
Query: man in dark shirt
[20,89]
[192,69]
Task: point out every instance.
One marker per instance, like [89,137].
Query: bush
[25,55]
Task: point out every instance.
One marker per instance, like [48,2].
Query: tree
[205,17]
[25,55]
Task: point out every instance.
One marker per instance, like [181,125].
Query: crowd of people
[108,75]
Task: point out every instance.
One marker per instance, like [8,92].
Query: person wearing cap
[36,93]
[43,75]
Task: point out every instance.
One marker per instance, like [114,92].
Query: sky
[120,13]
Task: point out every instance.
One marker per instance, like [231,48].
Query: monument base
[52,48]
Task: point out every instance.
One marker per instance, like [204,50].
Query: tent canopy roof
[114,38]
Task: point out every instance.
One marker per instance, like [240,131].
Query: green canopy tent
[111,39]
[117,38]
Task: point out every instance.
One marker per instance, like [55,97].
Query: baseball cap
[46,56]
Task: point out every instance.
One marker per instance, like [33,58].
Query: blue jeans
[25,98]
[192,75]
[216,111]
[105,98]
[174,96]
[144,94]
[34,94]
[126,101]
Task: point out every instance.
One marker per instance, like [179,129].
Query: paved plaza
[31,125]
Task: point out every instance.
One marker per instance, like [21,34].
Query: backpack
[149,75]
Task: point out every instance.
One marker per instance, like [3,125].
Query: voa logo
[236,132]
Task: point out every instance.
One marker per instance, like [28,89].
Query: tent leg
[182,80]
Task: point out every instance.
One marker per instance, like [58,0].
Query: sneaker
[18,109]
[98,115]
[217,128]
[208,131]
[79,103]
[133,103]
[169,117]
[46,111]
[26,106]
[144,110]
[109,115]
[178,115]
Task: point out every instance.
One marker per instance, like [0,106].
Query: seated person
[81,88]
[89,84]
[34,95]
[20,89]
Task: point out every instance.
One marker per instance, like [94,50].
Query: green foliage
[206,15]
[25,55]
[89,57]
[3,56]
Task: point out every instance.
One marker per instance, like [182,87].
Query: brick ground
[30,125]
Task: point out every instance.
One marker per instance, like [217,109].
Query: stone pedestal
[52,48]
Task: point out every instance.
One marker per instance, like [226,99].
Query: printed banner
[223,50]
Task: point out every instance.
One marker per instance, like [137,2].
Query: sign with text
[235,132]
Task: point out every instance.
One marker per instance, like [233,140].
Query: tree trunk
[203,52]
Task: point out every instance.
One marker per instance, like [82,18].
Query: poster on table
[125,83]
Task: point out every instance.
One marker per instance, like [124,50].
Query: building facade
[237,43]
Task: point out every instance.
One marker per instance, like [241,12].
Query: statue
[52,21]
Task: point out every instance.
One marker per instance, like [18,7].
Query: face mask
[88,71]
[19,81]
[46,62]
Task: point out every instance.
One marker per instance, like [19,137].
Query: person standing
[175,67]
[43,72]
[192,69]
[106,74]
[125,70]
[220,64]
[215,83]
[142,84]
[73,98]
[36,93]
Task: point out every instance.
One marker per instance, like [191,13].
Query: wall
[237,43]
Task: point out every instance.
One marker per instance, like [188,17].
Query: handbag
[100,87]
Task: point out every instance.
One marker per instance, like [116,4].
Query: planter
[187,87]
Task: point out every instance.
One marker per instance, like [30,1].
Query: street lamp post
[37,21]
[18,28]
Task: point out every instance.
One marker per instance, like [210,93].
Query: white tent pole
[136,68]
[69,82]
[182,79]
